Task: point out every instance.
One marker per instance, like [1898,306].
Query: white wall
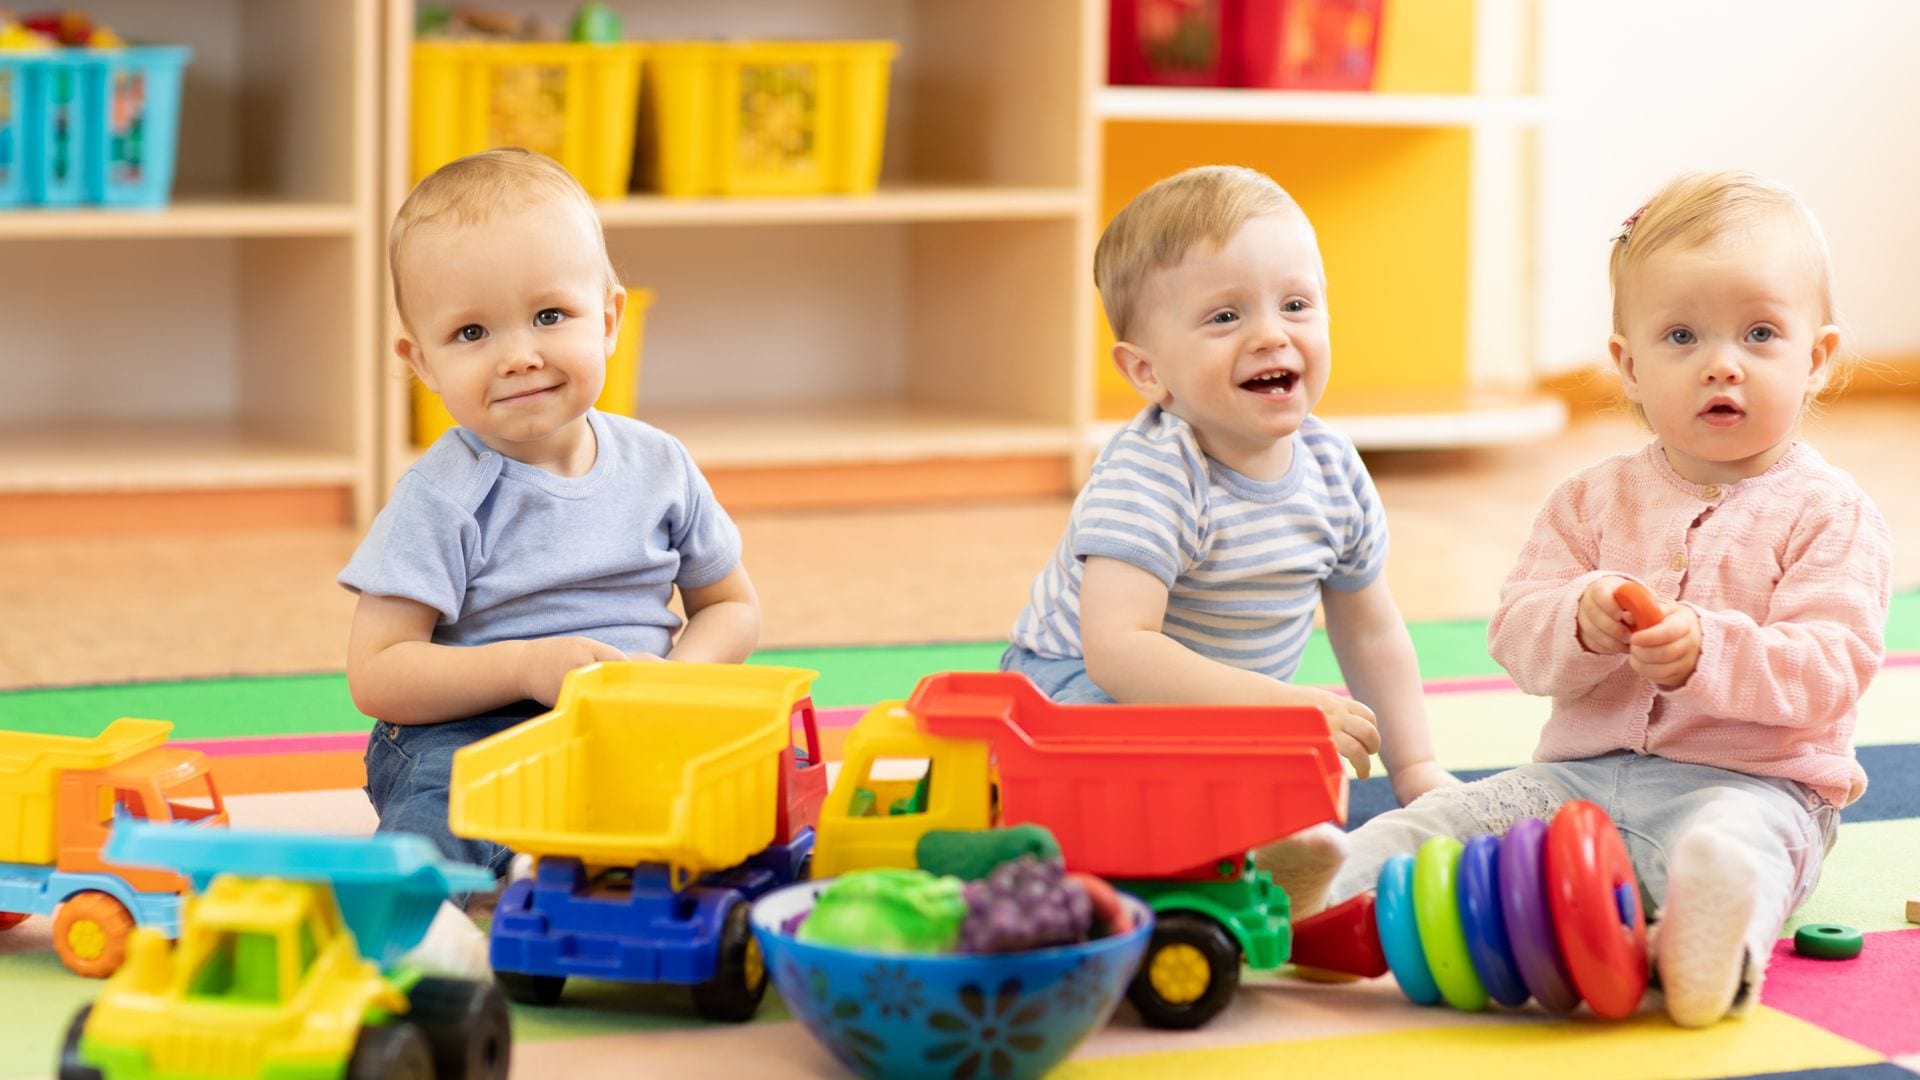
[1824,97]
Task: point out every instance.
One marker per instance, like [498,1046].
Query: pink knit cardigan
[1791,574]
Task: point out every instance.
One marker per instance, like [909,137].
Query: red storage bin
[1276,44]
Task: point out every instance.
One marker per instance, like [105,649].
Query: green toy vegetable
[597,23]
[971,854]
[888,910]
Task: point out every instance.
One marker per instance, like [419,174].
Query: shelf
[105,456]
[186,217]
[1331,108]
[844,434]
[1427,419]
[929,202]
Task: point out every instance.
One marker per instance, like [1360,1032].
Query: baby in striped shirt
[1222,515]
[1720,738]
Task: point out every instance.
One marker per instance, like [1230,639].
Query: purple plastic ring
[1523,906]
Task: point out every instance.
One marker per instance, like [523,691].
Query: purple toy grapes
[1026,903]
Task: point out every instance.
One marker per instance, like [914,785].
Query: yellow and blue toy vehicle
[287,967]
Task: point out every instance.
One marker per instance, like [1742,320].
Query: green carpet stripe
[856,675]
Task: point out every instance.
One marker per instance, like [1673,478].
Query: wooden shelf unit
[914,343]
[206,364]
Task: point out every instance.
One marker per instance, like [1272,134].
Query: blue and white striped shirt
[1243,559]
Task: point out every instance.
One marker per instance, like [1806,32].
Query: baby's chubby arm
[723,621]
[1121,611]
[1376,656]
[397,674]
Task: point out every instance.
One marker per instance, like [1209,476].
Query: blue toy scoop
[388,885]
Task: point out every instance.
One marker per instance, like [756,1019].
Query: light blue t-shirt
[1243,560]
[504,550]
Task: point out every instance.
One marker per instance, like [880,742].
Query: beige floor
[85,610]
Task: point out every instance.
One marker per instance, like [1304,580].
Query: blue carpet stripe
[1893,790]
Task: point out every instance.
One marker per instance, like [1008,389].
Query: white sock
[1304,864]
[521,867]
[453,947]
[1702,950]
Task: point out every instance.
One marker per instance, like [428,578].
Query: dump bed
[638,762]
[30,768]
[1142,791]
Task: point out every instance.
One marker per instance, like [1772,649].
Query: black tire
[71,1067]
[1190,1006]
[525,989]
[390,1052]
[466,1026]
[740,975]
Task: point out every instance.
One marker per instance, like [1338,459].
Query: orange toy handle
[1639,603]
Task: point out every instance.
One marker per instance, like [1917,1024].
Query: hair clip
[1626,227]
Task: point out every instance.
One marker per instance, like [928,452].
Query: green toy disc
[1828,941]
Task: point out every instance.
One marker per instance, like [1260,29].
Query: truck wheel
[1190,972]
[390,1052]
[11,919]
[466,1027]
[71,1065]
[740,973]
[530,989]
[90,933]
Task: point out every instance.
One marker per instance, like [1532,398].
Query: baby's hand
[1601,622]
[1355,734]
[1666,653]
[544,663]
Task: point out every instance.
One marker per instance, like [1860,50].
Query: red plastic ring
[1596,909]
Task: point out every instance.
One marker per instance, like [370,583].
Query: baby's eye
[549,317]
[1294,305]
[470,333]
[1760,335]
[1680,335]
[1222,318]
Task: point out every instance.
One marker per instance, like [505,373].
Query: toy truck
[287,967]
[1165,801]
[59,796]
[659,801]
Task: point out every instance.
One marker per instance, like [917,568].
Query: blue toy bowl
[887,1015]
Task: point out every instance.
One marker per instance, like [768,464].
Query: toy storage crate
[620,394]
[1276,44]
[94,126]
[572,102]
[766,118]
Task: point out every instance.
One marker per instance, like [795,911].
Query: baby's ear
[1138,370]
[616,308]
[1623,363]
[409,350]
[1826,348]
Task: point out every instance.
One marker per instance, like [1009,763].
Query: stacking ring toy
[1828,941]
[1529,920]
[1486,931]
[1399,932]
[1596,909]
[1640,604]
[1436,906]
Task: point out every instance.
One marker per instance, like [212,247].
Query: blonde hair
[1162,223]
[472,189]
[1692,210]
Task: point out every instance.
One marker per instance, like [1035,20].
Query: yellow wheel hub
[86,939]
[756,965]
[1180,974]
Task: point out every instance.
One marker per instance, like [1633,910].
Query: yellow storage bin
[573,102]
[765,118]
[620,395]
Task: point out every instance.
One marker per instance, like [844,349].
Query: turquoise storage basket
[90,126]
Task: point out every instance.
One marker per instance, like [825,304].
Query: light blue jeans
[1063,681]
[410,767]
[1785,827]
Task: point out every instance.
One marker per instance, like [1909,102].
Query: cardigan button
[1679,560]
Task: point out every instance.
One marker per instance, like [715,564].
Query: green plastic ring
[1828,941]
[1436,907]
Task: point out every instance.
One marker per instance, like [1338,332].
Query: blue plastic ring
[1400,933]
[1486,930]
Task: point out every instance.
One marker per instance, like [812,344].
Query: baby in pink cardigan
[1719,739]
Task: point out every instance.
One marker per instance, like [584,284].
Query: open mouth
[1271,382]
[1721,411]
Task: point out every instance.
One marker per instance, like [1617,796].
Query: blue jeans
[410,766]
[1065,682]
